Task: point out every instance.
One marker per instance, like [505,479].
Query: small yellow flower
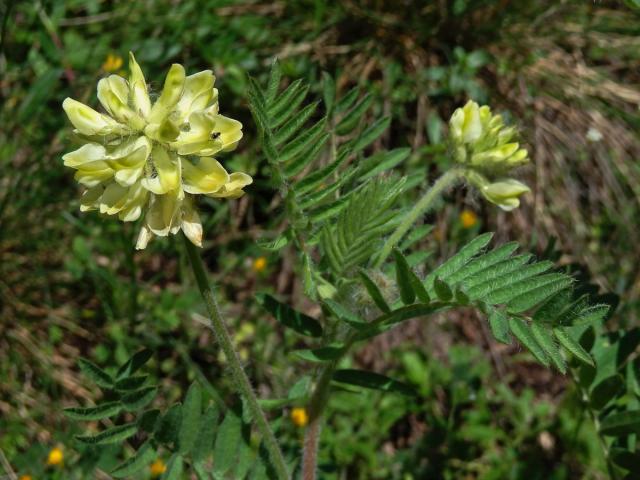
[299,417]
[259,264]
[468,219]
[157,468]
[56,457]
[25,477]
[152,159]
[112,63]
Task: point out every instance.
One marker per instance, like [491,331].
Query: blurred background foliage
[566,72]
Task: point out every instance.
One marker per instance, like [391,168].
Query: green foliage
[193,431]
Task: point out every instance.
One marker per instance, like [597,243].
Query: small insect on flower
[151,160]
[112,63]
[259,264]
[157,468]
[299,417]
[468,219]
[55,457]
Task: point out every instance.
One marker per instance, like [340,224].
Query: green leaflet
[226,444]
[523,333]
[362,378]
[289,317]
[175,466]
[383,162]
[131,383]
[404,279]
[139,399]
[98,412]
[350,121]
[442,290]
[191,416]
[458,260]
[169,425]
[499,324]
[544,336]
[605,391]
[274,81]
[322,354]
[141,459]
[206,435]
[374,292]
[371,133]
[294,124]
[572,346]
[328,92]
[132,365]
[621,423]
[111,435]
[483,262]
[95,373]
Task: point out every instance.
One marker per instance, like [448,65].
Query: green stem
[237,372]
[424,204]
[317,404]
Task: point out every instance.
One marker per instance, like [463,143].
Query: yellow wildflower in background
[299,417]
[259,264]
[151,160]
[112,63]
[55,457]
[468,219]
[489,151]
[25,477]
[157,468]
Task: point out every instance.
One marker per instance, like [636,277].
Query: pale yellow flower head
[144,159]
[489,151]
[481,141]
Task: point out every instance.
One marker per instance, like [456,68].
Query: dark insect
[215,135]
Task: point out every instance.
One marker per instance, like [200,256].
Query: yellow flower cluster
[489,150]
[144,159]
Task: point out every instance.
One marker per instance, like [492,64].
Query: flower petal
[171,93]
[165,175]
[198,94]
[90,197]
[143,238]
[138,88]
[88,153]
[92,178]
[233,189]
[163,214]
[113,93]
[206,176]
[89,122]
[191,225]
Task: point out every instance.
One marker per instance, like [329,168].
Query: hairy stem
[238,374]
[424,204]
[317,404]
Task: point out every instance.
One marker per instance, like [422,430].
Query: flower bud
[505,193]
